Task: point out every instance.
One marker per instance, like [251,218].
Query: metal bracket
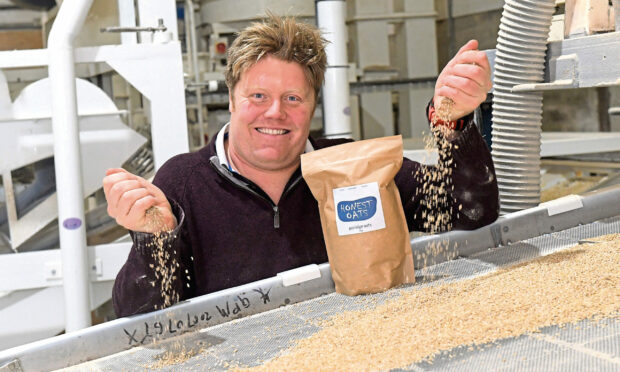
[564,68]
[300,275]
[534,87]
[160,27]
[53,269]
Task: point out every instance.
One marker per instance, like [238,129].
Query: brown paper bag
[362,216]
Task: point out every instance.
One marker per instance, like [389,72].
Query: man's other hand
[130,197]
[466,79]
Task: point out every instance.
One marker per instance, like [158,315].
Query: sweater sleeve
[158,270]
[459,193]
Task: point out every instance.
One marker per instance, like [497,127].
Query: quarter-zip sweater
[231,233]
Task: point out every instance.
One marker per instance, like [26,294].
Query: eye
[293,99]
[258,95]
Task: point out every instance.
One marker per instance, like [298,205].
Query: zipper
[240,184]
[276,217]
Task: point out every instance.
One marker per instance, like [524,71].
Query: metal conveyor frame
[291,287]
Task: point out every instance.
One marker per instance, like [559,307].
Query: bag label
[358,209]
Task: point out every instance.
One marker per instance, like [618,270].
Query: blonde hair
[283,38]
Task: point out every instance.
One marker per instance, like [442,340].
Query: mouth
[273,131]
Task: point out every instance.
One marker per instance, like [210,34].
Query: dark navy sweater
[230,233]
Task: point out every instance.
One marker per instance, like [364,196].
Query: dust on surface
[565,287]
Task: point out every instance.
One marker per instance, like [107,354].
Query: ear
[231,103]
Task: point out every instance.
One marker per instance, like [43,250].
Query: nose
[275,110]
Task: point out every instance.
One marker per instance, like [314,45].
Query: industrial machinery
[204,323]
[40,193]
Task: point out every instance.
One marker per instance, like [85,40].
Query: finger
[129,198]
[470,45]
[482,60]
[110,180]
[117,176]
[138,210]
[115,170]
[463,102]
[470,72]
[468,86]
[123,174]
[472,57]
[460,97]
[120,188]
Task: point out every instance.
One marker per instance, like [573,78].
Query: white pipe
[331,20]
[67,159]
[397,16]
[189,18]
[127,18]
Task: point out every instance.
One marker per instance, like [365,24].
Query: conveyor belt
[219,343]
[586,346]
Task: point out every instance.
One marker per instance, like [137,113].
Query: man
[238,210]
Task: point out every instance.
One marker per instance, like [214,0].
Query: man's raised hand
[466,79]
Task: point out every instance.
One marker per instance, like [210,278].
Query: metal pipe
[189,17]
[517,116]
[397,16]
[160,28]
[188,46]
[75,261]
[337,111]
[451,30]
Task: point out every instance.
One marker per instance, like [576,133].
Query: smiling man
[271,108]
[238,210]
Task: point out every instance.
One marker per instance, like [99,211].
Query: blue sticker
[72,223]
[347,111]
[357,210]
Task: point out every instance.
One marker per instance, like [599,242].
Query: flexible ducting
[517,117]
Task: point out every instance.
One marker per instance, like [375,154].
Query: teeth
[272,131]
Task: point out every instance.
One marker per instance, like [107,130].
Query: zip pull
[276,217]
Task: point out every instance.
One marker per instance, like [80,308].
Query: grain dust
[436,186]
[565,287]
[165,265]
[171,358]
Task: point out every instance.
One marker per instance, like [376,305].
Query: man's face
[271,110]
